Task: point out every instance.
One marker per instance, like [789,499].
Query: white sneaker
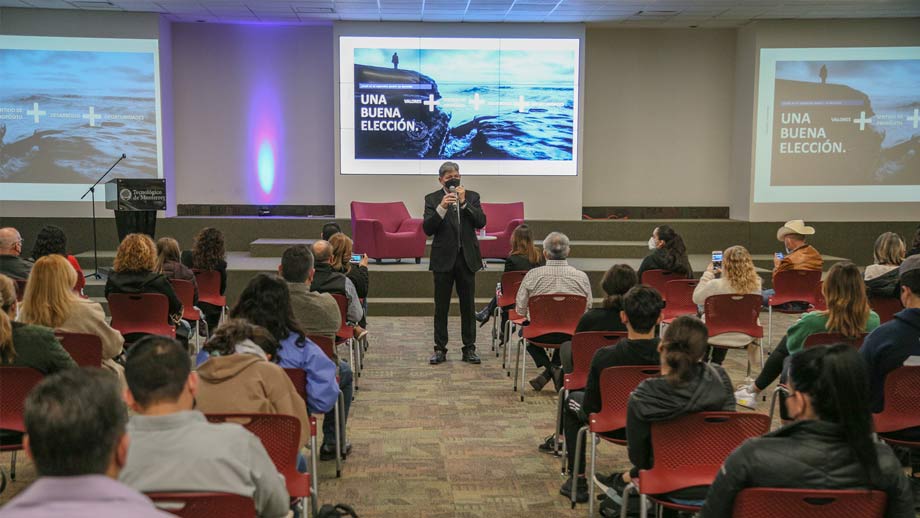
[746,396]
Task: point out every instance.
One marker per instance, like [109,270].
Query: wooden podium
[135,202]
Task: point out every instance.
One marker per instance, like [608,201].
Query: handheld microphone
[453,190]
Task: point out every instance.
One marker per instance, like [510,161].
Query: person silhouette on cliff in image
[823,74]
[395,60]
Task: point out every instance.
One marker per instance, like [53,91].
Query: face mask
[453,182]
[652,244]
[788,251]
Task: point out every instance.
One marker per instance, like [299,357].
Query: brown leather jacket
[804,257]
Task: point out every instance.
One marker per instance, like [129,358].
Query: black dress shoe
[482,316]
[438,357]
[471,357]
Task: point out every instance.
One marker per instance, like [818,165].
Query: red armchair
[501,220]
[386,231]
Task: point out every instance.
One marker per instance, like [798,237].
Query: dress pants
[465,279]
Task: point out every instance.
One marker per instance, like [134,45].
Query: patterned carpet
[444,441]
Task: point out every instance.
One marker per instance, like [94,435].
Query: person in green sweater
[847,314]
[23,345]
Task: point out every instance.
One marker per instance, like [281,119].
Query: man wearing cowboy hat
[798,255]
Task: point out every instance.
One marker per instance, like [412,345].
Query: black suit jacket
[445,242]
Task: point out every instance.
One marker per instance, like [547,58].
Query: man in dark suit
[452,218]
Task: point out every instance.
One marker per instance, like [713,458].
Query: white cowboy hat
[796,226]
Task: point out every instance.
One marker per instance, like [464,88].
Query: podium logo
[125,194]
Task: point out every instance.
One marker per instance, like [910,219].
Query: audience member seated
[847,314]
[50,301]
[686,386]
[360,277]
[208,253]
[75,425]
[326,280]
[641,312]
[882,276]
[174,448]
[915,245]
[25,345]
[266,302]
[889,346]
[330,229]
[555,277]
[523,258]
[133,272]
[736,276]
[170,265]
[11,264]
[669,253]
[238,376]
[829,446]
[316,313]
[52,240]
[798,255]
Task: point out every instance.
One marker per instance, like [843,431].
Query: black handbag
[336,511]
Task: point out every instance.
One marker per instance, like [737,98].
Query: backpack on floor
[336,511]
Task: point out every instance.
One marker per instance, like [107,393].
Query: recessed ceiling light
[92,4]
[313,10]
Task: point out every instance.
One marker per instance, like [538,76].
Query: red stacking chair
[346,335]
[209,290]
[20,288]
[689,452]
[658,279]
[817,339]
[185,291]
[510,283]
[85,349]
[902,405]
[141,313]
[280,435]
[734,314]
[794,286]
[299,379]
[679,296]
[769,502]
[885,307]
[328,346]
[616,384]
[584,345]
[551,313]
[15,385]
[204,505]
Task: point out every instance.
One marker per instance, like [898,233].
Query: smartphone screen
[779,255]
[717,258]
[356,258]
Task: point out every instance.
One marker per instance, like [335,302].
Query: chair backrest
[768,502]
[816,339]
[15,385]
[902,400]
[390,214]
[140,313]
[345,331]
[690,450]
[185,291]
[616,384]
[20,288]
[658,279]
[554,313]
[299,379]
[679,296]
[584,345]
[733,313]
[204,505]
[511,283]
[84,348]
[209,287]
[499,214]
[796,286]
[325,343]
[885,307]
[280,434]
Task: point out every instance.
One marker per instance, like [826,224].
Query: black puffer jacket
[884,286]
[805,455]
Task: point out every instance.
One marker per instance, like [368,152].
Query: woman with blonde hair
[736,276]
[25,345]
[342,248]
[49,301]
[133,272]
[847,314]
[882,276]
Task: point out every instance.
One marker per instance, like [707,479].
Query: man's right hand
[448,200]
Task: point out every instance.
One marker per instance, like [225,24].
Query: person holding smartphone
[353,266]
[798,255]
